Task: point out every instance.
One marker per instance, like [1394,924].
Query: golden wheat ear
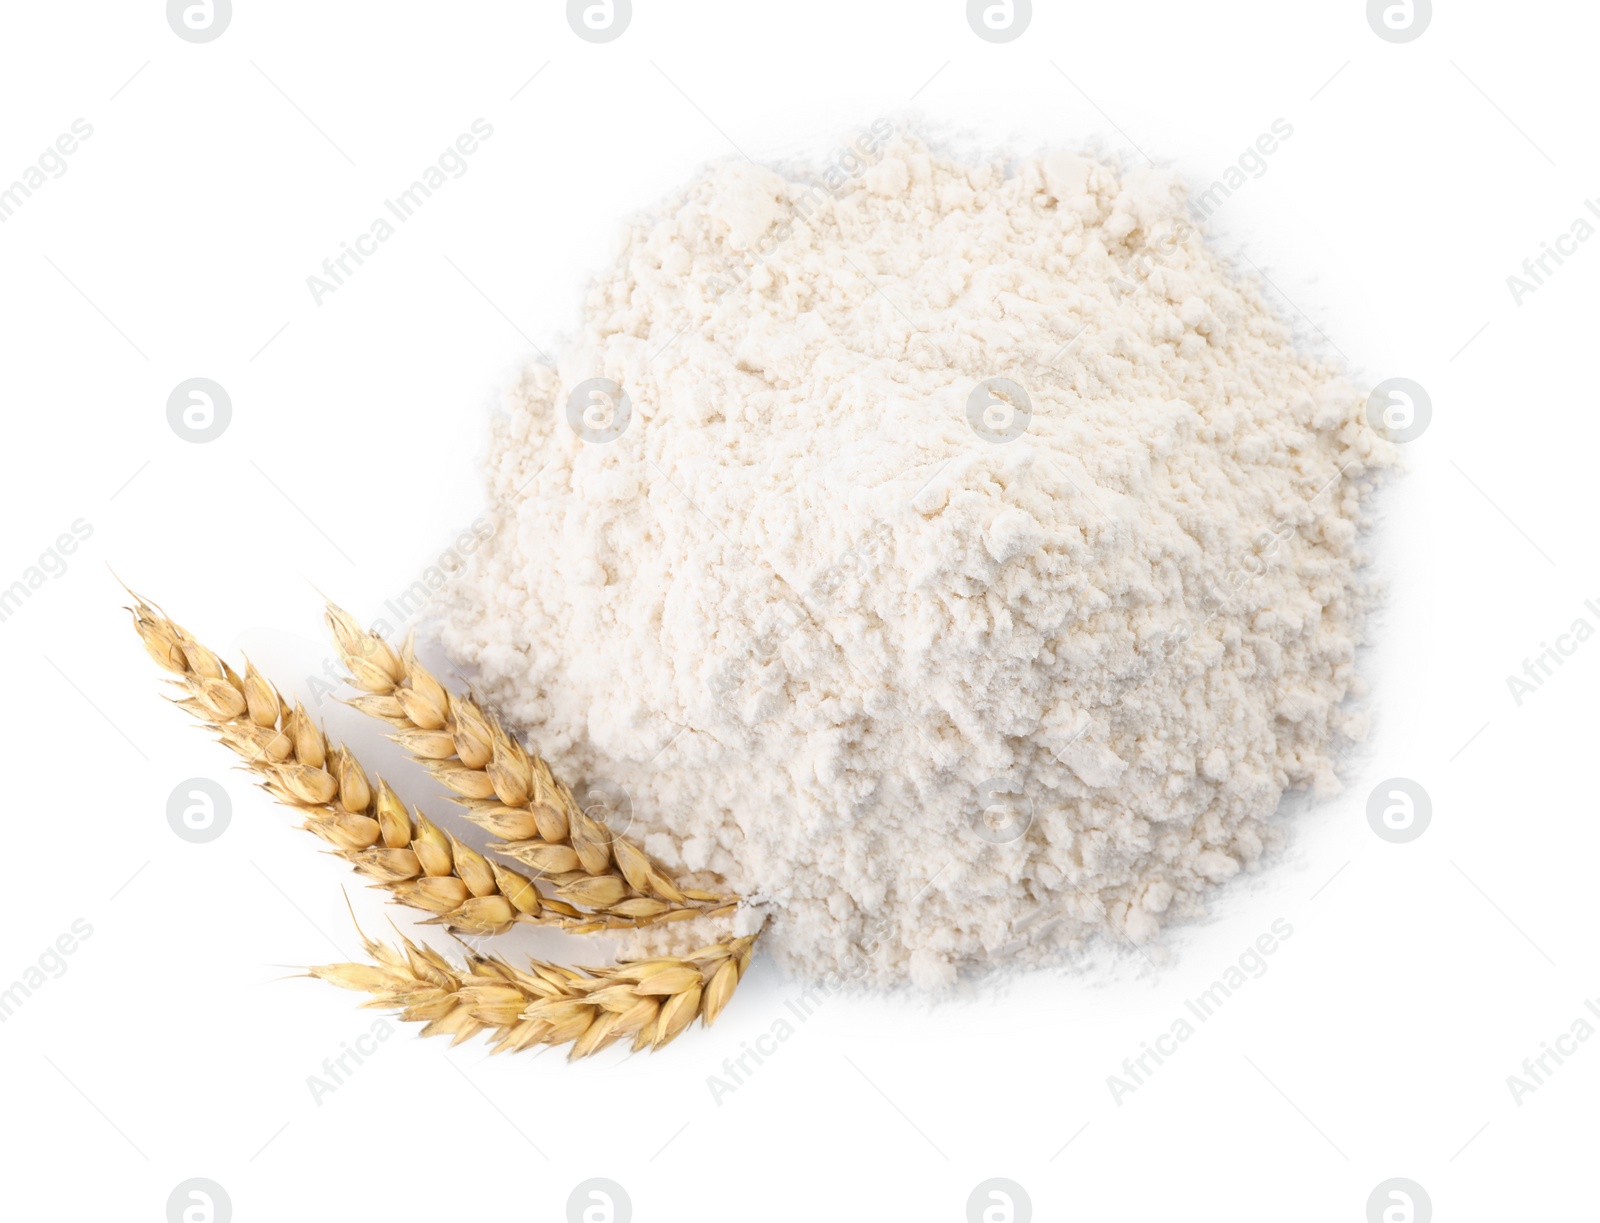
[422,866]
[512,793]
[652,1001]
[366,824]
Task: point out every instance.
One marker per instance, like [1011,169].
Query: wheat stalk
[651,1000]
[368,825]
[547,1004]
[511,792]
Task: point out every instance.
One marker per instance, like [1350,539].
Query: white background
[177,245]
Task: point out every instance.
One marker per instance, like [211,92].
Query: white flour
[936,701]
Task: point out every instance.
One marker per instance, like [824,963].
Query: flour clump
[957,559]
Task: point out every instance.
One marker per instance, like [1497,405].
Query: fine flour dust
[942,672]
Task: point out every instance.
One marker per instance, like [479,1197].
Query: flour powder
[957,559]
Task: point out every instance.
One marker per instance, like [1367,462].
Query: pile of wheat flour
[957,559]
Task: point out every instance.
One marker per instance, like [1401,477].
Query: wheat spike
[368,825]
[652,1001]
[511,792]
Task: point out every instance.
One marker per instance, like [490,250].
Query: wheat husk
[364,822]
[512,793]
[650,1001]
[423,866]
